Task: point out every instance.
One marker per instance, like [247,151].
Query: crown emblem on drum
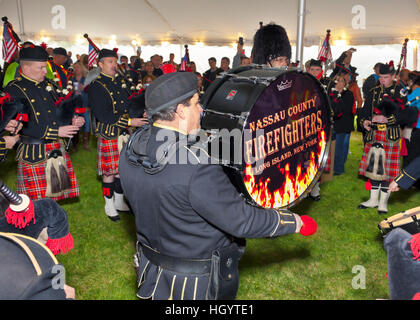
[284,85]
[231,94]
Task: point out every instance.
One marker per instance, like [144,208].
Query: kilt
[31,178]
[392,154]
[107,156]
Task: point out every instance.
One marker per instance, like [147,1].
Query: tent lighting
[412,43]
[340,43]
[164,43]
[113,40]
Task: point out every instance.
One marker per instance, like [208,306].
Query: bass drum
[279,122]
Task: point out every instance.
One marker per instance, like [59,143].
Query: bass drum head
[286,140]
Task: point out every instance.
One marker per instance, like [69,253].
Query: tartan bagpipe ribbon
[325,51]
[403,59]
[10,41]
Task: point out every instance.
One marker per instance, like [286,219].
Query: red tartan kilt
[108,156]
[392,153]
[31,178]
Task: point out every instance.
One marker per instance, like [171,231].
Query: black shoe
[361,206]
[316,198]
[114,219]
[382,212]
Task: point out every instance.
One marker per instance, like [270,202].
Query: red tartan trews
[392,155]
[31,178]
[108,156]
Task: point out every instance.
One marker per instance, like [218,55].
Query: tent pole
[300,32]
[19,10]
[415,63]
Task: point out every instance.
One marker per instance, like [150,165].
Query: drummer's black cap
[270,41]
[315,63]
[33,53]
[60,51]
[169,90]
[106,53]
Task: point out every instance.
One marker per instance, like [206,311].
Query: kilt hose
[107,156]
[31,178]
[392,154]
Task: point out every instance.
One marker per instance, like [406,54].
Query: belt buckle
[381,127]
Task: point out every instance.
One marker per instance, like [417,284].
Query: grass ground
[291,267]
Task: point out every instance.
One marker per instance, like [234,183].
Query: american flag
[185,61]
[10,45]
[325,52]
[93,54]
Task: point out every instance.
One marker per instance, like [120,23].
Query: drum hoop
[400,219]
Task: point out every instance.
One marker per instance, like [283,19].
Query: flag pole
[300,32]
[20,16]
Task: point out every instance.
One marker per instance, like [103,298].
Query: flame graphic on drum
[294,184]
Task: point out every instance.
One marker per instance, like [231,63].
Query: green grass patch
[291,267]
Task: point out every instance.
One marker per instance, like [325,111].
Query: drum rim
[400,219]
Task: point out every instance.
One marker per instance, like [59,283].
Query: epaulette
[11,82]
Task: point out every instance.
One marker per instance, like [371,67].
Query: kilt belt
[187,266]
[393,132]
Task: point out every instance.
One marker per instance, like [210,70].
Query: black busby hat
[387,68]
[33,53]
[169,90]
[315,63]
[60,51]
[105,53]
[270,41]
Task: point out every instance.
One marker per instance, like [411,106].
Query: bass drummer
[188,214]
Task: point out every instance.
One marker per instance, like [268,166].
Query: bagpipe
[68,104]
[11,109]
[403,57]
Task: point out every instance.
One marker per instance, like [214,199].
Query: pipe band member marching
[44,168]
[108,99]
[382,116]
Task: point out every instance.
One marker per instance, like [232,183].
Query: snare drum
[408,220]
[283,119]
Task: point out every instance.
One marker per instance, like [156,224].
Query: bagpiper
[382,116]
[44,168]
[108,98]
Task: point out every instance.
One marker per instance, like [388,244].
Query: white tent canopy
[214,22]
